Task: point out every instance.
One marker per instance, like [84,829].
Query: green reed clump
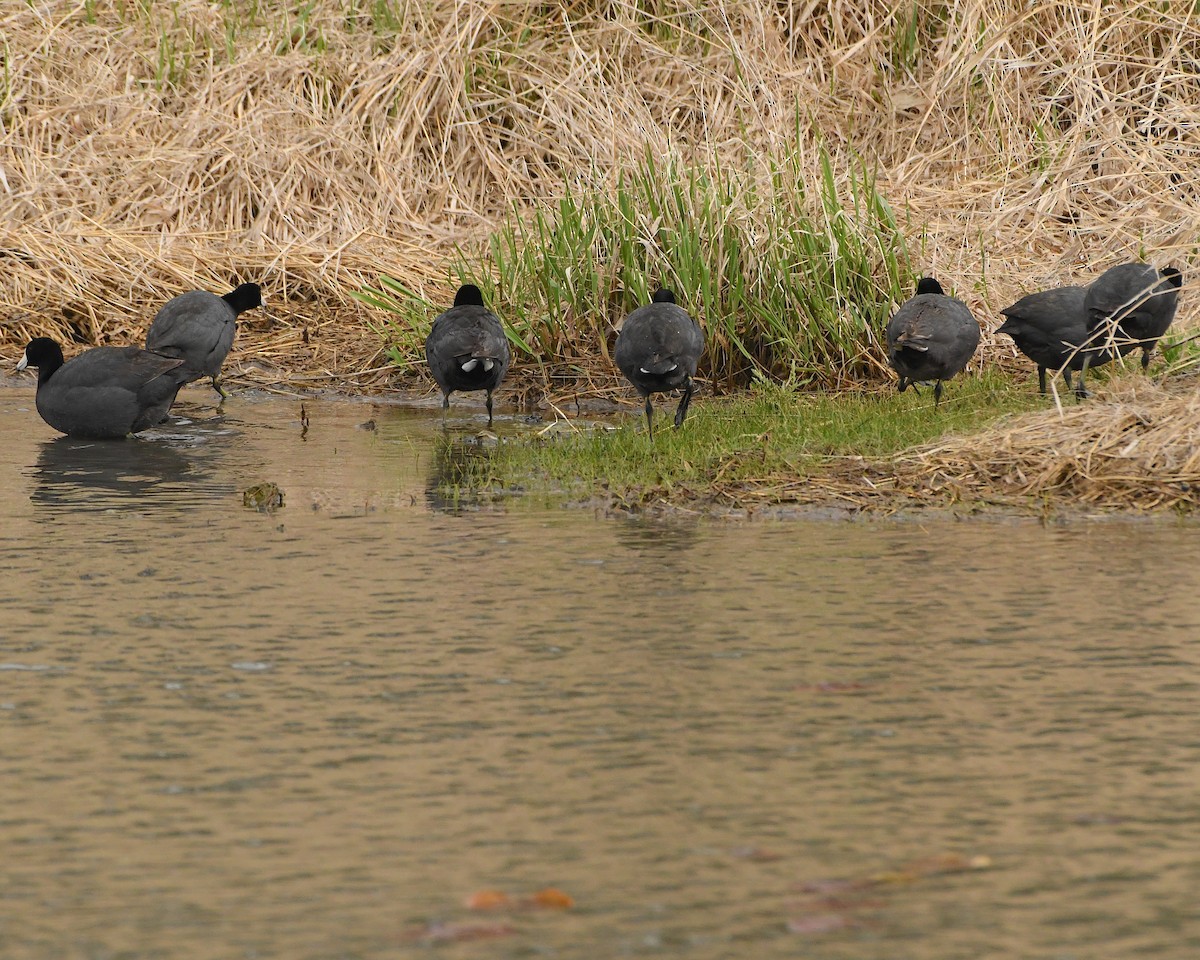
[789,279]
[410,316]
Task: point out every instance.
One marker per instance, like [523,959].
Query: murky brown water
[312,735]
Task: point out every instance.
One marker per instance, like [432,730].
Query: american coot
[658,349]
[1131,305]
[466,348]
[1051,329]
[198,327]
[105,392]
[931,337]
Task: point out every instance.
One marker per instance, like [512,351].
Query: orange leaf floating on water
[947,863]
[488,900]
[933,866]
[458,932]
[550,898]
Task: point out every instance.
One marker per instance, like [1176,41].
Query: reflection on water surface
[316,733]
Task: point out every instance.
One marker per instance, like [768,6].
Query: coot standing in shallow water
[931,337]
[103,393]
[1131,305]
[658,349]
[1051,327]
[466,348]
[198,328]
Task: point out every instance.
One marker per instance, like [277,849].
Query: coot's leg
[684,403]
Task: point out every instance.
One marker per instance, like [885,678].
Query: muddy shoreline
[846,489]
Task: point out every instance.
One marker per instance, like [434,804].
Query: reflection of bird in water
[92,475]
[459,467]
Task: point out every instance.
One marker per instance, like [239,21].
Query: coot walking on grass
[1139,300]
[198,327]
[1051,327]
[105,392]
[658,349]
[931,337]
[466,348]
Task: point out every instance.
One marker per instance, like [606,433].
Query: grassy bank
[768,444]
[788,282]
[150,147]
[993,441]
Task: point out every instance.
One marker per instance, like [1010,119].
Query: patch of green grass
[1181,353]
[789,279]
[407,319]
[770,433]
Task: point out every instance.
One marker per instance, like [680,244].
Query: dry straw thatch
[149,147]
[1139,449]
[1135,447]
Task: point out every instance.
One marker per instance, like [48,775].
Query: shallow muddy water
[315,734]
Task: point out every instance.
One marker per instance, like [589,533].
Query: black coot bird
[1051,329]
[103,393]
[931,337]
[1136,298]
[658,349]
[198,327]
[466,348]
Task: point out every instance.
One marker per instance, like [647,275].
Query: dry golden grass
[1140,449]
[151,147]
[1135,446]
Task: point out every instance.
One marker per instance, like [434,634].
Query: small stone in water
[263,497]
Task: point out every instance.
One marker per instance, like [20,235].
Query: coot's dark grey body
[198,328]
[1051,328]
[931,337]
[1139,300]
[466,348]
[105,392]
[658,349]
